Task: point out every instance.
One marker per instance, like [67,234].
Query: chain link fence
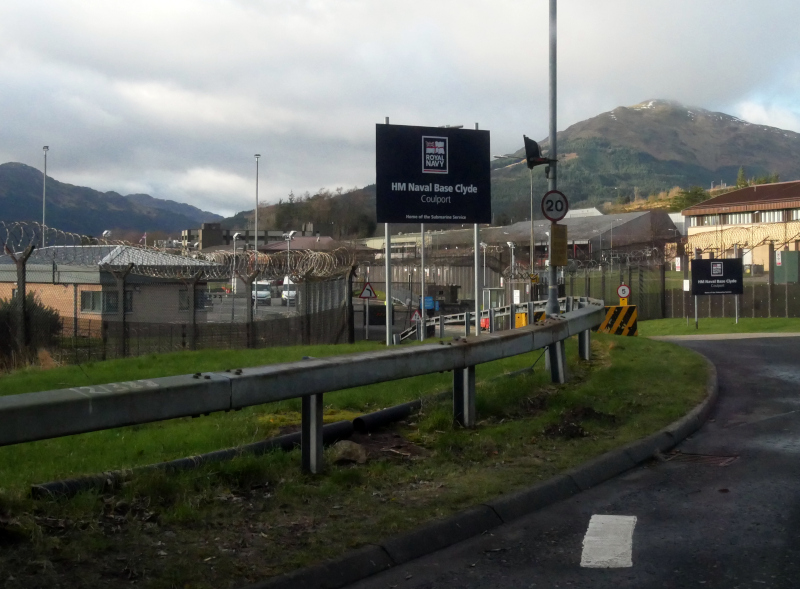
[82,322]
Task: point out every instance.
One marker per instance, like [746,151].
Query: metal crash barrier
[50,414]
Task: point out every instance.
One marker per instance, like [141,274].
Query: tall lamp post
[289,237]
[255,222]
[45,149]
[484,246]
[233,276]
[611,254]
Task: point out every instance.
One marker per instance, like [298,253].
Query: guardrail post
[531,313]
[441,327]
[492,321]
[512,317]
[585,345]
[464,396]
[558,369]
[311,433]
[467,323]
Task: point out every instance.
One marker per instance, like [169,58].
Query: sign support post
[422,281]
[476,257]
[388,265]
[736,297]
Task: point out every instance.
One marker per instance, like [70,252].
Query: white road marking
[608,542]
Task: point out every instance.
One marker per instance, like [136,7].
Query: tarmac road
[697,525]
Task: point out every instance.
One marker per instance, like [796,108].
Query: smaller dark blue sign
[710,277]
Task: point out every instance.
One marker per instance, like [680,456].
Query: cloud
[175,98]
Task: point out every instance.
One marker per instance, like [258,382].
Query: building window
[129,301]
[772,216]
[737,218]
[91,301]
[110,302]
[795,214]
[183,300]
[96,301]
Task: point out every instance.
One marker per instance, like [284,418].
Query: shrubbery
[44,326]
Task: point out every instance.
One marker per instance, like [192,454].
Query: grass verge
[718,325]
[226,525]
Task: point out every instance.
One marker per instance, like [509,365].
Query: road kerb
[504,509]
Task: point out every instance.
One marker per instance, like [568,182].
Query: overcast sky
[173,98]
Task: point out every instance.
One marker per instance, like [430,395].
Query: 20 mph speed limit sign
[555,205]
[623,291]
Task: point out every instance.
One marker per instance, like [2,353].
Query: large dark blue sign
[711,277]
[432,175]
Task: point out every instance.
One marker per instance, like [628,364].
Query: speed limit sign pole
[554,208]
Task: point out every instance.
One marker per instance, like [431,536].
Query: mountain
[86,211]
[196,215]
[644,149]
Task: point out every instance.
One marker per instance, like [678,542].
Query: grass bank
[718,325]
[226,525]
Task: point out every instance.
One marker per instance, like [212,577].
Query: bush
[44,326]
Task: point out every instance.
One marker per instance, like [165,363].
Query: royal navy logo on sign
[716,268]
[434,155]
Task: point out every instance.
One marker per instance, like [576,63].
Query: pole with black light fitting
[553,307]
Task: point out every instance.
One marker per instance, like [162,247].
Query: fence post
[663,285]
[351,321]
[492,324]
[602,283]
[770,276]
[441,326]
[248,282]
[464,396]
[75,313]
[587,282]
[119,279]
[192,285]
[311,433]
[21,263]
[467,323]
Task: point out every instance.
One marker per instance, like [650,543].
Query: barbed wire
[53,246]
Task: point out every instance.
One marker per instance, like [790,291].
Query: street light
[612,243]
[45,149]
[233,275]
[512,245]
[288,237]
[255,222]
[483,293]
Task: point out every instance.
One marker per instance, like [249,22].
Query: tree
[688,198]
[741,179]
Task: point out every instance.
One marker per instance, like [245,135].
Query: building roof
[625,228]
[590,212]
[761,197]
[112,255]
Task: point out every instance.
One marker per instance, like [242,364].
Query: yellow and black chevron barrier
[620,320]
